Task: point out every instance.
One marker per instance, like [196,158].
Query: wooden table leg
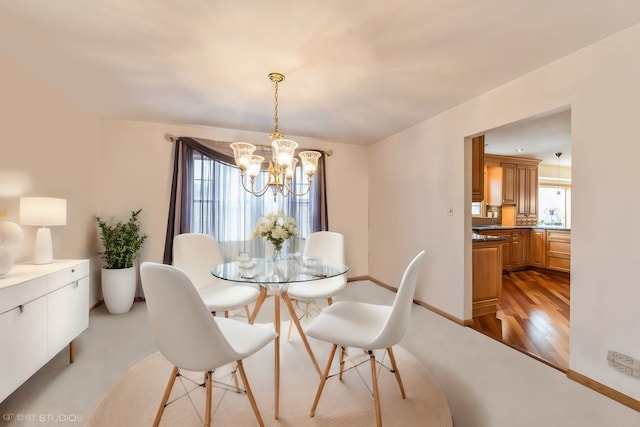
[296,322]
[276,307]
[258,304]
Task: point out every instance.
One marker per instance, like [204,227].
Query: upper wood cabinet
[477,169]
[508,184]
[519,186]
[527,194]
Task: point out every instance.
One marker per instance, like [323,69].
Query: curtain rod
[172,138]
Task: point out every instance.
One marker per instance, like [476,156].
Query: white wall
[48,147]
[601,85]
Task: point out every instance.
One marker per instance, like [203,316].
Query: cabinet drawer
[561,236]
[559,263]
[13,296]
[63,277]
[559,247]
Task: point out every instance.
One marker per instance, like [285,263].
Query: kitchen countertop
[475,237]
[512,227]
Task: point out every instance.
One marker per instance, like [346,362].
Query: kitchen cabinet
[519,248]
[515,247]
[43,308]
[487,277]
[533,247]
[477,169]
[527,194]
[537,247]
[509,184]
[519,187]
[558,256]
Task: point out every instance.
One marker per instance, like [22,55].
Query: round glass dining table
[273,278]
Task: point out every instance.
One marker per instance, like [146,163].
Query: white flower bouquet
[276,229]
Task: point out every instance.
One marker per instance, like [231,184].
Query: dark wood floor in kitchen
[533,316]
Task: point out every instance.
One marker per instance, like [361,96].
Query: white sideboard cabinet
[43,308]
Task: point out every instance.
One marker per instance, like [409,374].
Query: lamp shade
[43,211]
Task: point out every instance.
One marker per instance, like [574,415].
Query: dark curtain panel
[181,205]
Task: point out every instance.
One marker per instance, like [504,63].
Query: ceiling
[356,71]
[537,137]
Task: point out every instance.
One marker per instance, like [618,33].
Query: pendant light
[558,154]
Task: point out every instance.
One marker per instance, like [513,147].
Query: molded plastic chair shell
[321,244]
[368,327]
[186,333]
[196,254]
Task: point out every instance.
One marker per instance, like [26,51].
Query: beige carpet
[133,400]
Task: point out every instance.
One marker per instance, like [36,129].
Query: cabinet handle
[73,270]
[21,307]
[75,284]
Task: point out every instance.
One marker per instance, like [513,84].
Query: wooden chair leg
[247,312]
[252,400]
[374,385]
[342,353]
[323,379]
[207,415]
[259,301]
[294,319]
[396,372]
[165,396]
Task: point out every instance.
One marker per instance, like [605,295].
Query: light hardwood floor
[533,316]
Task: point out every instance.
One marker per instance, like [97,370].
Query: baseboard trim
[573,375]
[604,390]
[101,302]
[415,301]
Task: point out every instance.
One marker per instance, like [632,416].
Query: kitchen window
[554,206]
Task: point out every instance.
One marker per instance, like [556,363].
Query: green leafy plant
[122,242]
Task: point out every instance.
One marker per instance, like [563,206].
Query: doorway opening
[532,300]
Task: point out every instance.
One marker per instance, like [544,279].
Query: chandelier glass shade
[282,165]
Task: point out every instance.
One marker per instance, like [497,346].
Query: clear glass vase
[277,255]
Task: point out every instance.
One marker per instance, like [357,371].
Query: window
[554,206]
[207,197]
[222,208]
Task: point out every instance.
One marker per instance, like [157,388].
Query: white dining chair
[369,327]
[190,338]
[321,244]
[195,254]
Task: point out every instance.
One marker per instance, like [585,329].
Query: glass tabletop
[287,270]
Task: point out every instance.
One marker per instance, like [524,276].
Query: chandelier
[283,163]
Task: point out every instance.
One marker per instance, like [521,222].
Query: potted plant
[122,244]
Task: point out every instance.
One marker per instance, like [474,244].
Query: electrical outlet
[623,363]
[622,368]
[621,358]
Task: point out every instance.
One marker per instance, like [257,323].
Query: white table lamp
[43,212]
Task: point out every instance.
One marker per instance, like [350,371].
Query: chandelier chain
[275,115]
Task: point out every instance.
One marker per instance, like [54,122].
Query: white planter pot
[119,289]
